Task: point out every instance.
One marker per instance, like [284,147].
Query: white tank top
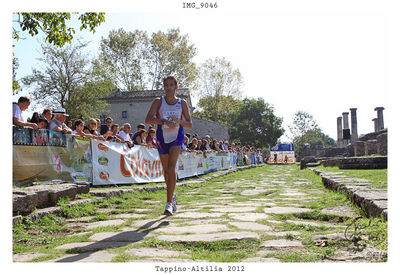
[165,112]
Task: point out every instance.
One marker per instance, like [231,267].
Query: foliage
[53,25]
[123,58]
[67,80]
[15,65]
[172,54]
[219,89]
[217,109]
[305,130]
[218,78]
[255,123]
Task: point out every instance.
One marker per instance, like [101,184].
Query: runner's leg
[164,162]
[173,153]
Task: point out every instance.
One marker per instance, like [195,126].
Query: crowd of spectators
[56,121]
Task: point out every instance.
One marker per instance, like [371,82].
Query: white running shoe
[168,209]
[174,203]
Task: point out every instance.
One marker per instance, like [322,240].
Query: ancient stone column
[380,117]
[345,127]
[354,134]
[339,132]
[375,120]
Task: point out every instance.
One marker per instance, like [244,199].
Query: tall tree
[219,89]
[65,69]
[123,57]
[305,129]
[53,25]
[219,78]
[172,54]
[256,124]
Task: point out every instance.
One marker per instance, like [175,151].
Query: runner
[169,111]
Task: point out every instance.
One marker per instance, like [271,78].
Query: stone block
[61,191]
[371,147]
[24,202]
[82,187]
[42,192]
[382,144]
[359,148]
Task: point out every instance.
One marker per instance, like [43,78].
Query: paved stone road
[245,208]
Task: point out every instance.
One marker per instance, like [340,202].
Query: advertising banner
[115,163]
[281,156]
[190,164]
[82,160]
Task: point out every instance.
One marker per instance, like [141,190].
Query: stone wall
[327,152]
[372,143]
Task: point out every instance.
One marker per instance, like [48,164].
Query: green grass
[378,176]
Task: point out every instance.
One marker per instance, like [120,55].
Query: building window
[124,114]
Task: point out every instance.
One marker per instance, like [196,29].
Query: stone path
[273,213]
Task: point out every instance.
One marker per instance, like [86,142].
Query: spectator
[18,108]
[78,126]
[105,130]
[141,138]
[57,123]
[199,145]
[193,144]
[226,148]
[47,113]
[139,127]
[98,124]
[214,145]
[42,122]
[114,134]
[124,134]
[204,145]
[92,129]
[151,138]
[34,118]
[185,143]
[221,145]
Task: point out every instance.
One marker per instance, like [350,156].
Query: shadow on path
[119,239]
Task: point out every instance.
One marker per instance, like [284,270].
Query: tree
[219,89]
[69,80]
[15,66]
[255,124]
[217,110]
[53,25]
[172,54]
[123,58]
[218,78]
[65,69]
[305,130]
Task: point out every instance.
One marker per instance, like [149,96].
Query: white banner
[281,156]
[115,163]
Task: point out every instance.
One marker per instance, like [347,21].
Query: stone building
[132,107]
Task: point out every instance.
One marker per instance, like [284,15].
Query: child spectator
[48,114]
[139,127]
[114,134]
[42,122]
[151,138]
[141,138]
[34,118]
[105,129]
